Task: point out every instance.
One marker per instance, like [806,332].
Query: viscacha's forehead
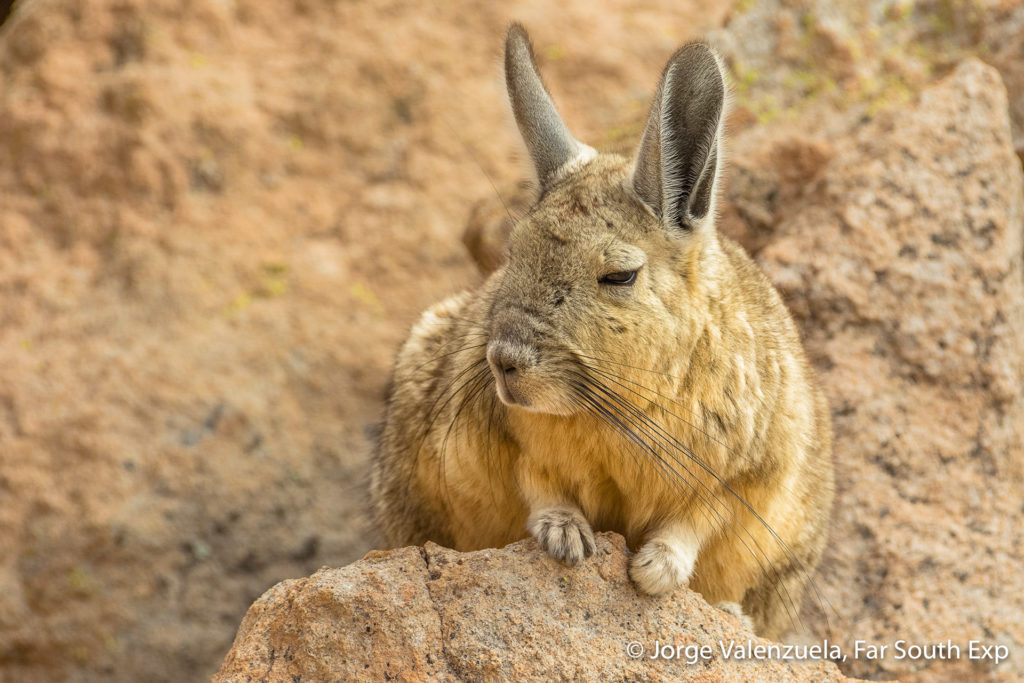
[594,202]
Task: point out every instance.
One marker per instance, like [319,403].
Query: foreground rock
[512,614]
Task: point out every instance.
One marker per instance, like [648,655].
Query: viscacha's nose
[508,361]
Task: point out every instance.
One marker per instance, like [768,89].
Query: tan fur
[701,344]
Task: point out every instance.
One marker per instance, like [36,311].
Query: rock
[850,58]
[773,171]
[1002,37]
[902,262]
[431,613]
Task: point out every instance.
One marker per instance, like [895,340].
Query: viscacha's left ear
[677,164]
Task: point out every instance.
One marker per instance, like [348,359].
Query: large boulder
[430,613]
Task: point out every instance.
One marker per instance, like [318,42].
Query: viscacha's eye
[625,277]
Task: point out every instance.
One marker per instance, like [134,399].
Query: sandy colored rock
[368,620]
[1002,34]
[512,614]
[844,60]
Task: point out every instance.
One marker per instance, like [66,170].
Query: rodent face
[592,279]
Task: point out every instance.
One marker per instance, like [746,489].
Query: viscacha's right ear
[547,138]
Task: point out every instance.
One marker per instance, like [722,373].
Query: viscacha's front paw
[563,532]
[660,567]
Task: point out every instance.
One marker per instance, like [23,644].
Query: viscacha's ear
[677,164]
[549,142]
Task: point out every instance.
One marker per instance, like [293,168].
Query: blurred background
[219,218]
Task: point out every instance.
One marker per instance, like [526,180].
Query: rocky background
[218,219]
